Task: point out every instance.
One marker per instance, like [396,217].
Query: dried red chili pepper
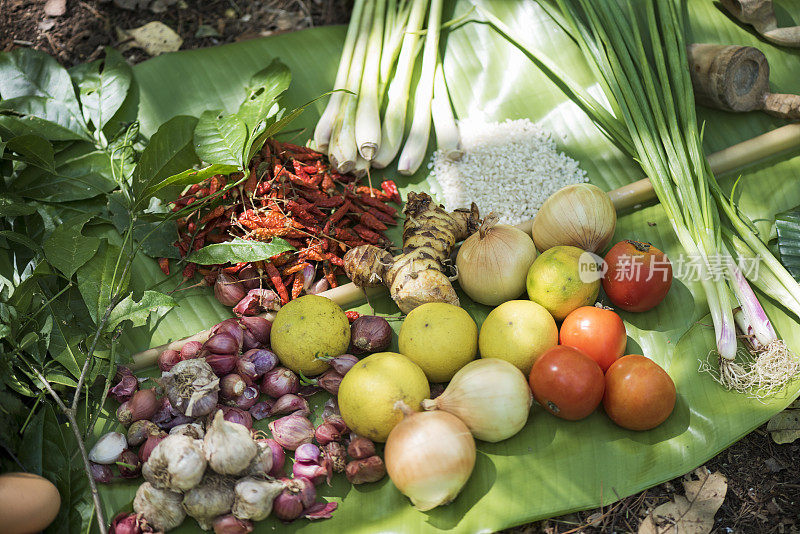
[277,283]
[163,263]
[352,315]
[391,191]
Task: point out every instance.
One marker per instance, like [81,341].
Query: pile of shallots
[197,449]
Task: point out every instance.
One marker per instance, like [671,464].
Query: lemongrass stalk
[324,128]
[343,150]
[394,119]
[394,33]
[368,120]
[417,143]
[444,123]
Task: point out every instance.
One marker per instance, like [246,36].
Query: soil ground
[763,478]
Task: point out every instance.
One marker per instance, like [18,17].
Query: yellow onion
[429,457]
[580,215]
[493,263]
[491,396]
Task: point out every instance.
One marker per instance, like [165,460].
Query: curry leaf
[103,86]
[169,152]
[262,91]
[220,138]
[34,150]
[67,249]
[138,312]
[99,278]
[188,177]
[239,250]
[80,174]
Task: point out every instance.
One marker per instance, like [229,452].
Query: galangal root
[418,274]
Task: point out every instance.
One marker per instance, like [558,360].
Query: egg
[28,503]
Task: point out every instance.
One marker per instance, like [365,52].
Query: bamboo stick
[626,197]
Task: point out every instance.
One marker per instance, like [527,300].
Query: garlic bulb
[228,446]
[177,463]
[262,463]
[161,508]
[212,497]
[254,497]
[108,448]
[493,263]
[429,456]
[193,430]
[192,387]
[491,396]
[580,215]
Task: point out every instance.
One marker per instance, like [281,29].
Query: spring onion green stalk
[368,120]
[417,143]
[324,128]
[395,115]
[342,149]
[444,123]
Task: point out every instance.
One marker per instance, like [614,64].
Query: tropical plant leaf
[49,110]
[787,224]
[80,174]
[22,239]
[239,250]
[34,149]
[12,125]
[103,86]
[169,152]
[67,249]
[14,207]
[138,312]
[220,139]
[155,237]
[100,278]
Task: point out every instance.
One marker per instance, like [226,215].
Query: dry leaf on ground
[55,8]
[154,37]
[784,427]
[692,513]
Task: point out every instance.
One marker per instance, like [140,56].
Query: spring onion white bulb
[417,143]
[444,123]
[493,262]
[491,396]
[429,457]
[324,128]
[394,118]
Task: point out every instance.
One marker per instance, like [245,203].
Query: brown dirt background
[763,478]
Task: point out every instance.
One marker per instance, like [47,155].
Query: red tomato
[638,277]
[598,332]
[639,394]
[567,383]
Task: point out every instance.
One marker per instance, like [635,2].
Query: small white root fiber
[760,374]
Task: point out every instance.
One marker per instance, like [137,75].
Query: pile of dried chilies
[292,193]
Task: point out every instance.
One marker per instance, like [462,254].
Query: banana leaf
[552,466]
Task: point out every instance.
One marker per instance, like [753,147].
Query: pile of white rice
[508,167]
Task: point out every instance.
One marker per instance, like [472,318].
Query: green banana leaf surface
[552,466]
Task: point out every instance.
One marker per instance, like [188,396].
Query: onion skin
[493,263]
[490,395]
[429,457]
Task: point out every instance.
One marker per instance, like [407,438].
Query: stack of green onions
[652,117]
[375,72]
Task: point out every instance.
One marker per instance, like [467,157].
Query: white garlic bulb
[176,463]
[212,497]
[229,448]
[254,497]
[193,430]
[108,448]
[262,463]
[161,508]
[192,387]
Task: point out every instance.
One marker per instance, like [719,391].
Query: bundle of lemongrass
[652,117]
[377,63]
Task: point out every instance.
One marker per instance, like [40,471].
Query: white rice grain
[508,167]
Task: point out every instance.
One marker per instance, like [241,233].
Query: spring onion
[324,128]
[444,123]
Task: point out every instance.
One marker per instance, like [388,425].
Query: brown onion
[228,289]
